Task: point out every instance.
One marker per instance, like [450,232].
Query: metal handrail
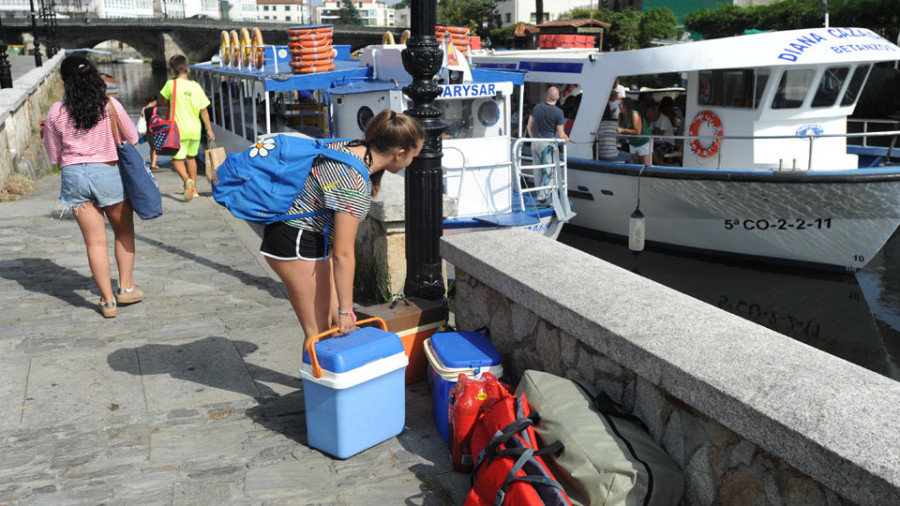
[720,138]
[559,175]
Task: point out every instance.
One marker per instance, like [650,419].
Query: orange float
[708,118]
[258,50]
[313,54]
[235,49]
[310,43]
[312,67]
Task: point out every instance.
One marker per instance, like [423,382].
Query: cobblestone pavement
[189,397]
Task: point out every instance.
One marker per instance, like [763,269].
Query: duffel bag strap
[526,455]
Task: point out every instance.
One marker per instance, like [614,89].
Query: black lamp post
[37,46]
[424,177]
[5,69]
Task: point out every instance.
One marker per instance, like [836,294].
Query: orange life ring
[322,30]
[259,51]
[246,47]
[313,54]
[451,28]
[235,49]
[312,69]
[310,36]
[707,118]
[225,44]
[309,43]
[302,64]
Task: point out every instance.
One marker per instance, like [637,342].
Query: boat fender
[388,38]
[405,36]
[709,119]
[636,230]
[235,49]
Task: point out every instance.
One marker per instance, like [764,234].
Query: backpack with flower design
[260,183]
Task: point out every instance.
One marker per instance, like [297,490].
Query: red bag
[468,398]
[164,136]
[509,468]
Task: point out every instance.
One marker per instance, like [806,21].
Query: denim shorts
[91,182]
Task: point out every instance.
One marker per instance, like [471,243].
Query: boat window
[731,87]
[792,88]
[472,118]
[830,86]
[856,84]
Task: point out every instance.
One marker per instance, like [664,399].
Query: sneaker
[130,296]
[196,193]
[189,188]
[108,309]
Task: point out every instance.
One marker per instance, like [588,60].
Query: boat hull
[834,220]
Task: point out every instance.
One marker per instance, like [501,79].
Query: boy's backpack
[164,136]
[260,183]
[510,469]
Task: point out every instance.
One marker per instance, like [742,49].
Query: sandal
[108,309]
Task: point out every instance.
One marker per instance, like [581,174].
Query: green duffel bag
[609,458]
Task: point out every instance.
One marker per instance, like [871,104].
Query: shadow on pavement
[213,361]
[45,276]
[263,282]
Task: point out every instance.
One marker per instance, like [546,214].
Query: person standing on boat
[78,136]
[633,123]
[546,121]
[319,283]
[190,103]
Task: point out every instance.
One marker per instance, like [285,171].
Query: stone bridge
[161,38]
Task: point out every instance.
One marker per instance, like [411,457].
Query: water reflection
[137,83]
[856,318]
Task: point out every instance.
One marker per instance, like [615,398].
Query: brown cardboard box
[414,320]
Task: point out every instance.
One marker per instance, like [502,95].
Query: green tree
[625,30]
[348,14]
[472,13]
[658,23]
[402,4]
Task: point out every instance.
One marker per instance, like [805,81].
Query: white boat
[481,172]
[766,170]
[130,60]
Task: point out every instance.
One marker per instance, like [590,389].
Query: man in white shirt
[661,126]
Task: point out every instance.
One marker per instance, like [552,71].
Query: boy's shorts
[189,148]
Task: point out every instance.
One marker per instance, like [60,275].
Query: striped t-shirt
[335,186]
[67,145]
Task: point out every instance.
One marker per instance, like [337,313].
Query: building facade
[372,12]
[284,11]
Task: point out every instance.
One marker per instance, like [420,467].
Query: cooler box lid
[464,350]
[356,349]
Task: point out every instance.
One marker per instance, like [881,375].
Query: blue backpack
[260,183]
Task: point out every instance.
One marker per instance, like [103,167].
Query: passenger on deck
[660,125]
[633,123]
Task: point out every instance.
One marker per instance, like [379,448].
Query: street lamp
[424,177]
[37,47]
[5,68]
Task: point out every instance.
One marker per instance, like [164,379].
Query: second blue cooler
[452,353]
[360,398]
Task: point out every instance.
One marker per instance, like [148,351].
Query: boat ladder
[544,182]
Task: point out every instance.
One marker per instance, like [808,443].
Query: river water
[853,316]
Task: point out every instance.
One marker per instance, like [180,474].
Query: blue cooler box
[452,353]
[360,400]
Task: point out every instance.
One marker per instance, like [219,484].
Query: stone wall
[751,416]
[21,109]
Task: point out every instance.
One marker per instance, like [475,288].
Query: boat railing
[464,169]
[811,138]
[553,176]
[865,126]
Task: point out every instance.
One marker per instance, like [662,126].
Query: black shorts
[284,242]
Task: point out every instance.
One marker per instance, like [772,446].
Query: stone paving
[189,397]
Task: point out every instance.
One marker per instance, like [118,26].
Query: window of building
[509,17]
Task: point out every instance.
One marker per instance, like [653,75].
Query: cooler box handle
[311,345]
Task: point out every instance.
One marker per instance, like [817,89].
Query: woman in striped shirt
[296,250]
[78,137]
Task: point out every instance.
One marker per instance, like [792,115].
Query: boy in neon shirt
[190,105]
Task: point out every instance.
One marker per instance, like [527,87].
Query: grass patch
[366,287]
[16,186]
